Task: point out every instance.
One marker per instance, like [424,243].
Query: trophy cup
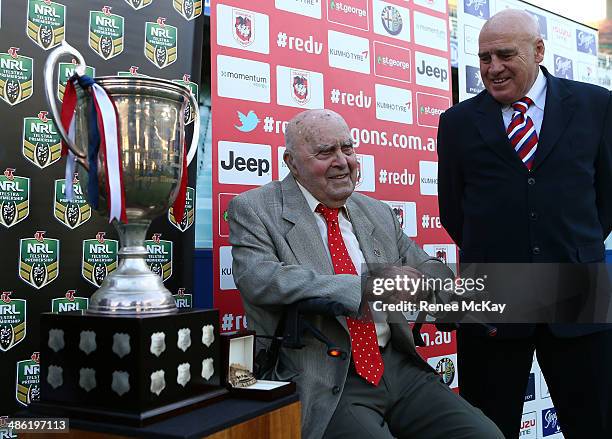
[132,356]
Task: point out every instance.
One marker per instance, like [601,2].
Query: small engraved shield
[158,343]
[88,342]
[121,382]
[55,376]
[56,340]
[121,344]
[158,382]
[183,374]
[208,335]
[208,368]
[87,378]
[184,339]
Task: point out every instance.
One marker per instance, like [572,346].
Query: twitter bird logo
[247,123]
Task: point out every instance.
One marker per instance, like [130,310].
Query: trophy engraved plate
[56,340]
[55,376]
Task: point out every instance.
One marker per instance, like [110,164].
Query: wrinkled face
[509,63]
[324,161]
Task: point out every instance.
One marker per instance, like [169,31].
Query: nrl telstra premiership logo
[106,33]
[16,77]
[38,260]
[189,110]
[159,256]
[46,23]
[99,258]
[12,321]
[188,215]
[41,142]
[69,303]
[14,198]
[27,386]
[66,71]
[160,43]
[189,9]
[71,213]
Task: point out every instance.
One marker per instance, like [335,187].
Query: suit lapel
[490,123]
[557,114]
[304,237]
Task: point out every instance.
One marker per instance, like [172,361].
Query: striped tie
[522,132]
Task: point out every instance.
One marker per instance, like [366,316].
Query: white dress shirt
[537,94]
[383,332]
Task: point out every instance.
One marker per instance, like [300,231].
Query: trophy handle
[52,59]
[196,128]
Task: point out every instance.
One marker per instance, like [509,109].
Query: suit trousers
[409,402]
[494,373]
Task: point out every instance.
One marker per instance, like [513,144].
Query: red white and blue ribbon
[104,139]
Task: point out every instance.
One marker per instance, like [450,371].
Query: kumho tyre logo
[14,198]
[46,23]
[38,260]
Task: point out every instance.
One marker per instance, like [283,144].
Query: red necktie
[522,132]
[364,342]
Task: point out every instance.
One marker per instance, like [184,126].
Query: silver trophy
[152,133]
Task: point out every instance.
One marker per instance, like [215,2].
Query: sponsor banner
[391,20]
[355,99]
[224,200]
[159,256]
[435,5]
[244,163]
[366,175]
[100,258]
[562,33]
[71,213]
[27,386]
[243,29]
[447,253]
[348,52]
[16,77]
[393,104]
[106,32]
[46,24]
[530,394]
[477,8]
[587,73]
[564,67]
[194,88]
[529,428]
[14,198]
[160,43]
[309,8]
[470,39]
[299,88]
[446,367]
[39,260]
[586,42]
[473,80]
[428,179]
[550,423]
[306,44]
[69,303]
[429,107]
[183,300]
[244,79]
[13,321]
[351,13]
[226,280]
[405,211]
[392,62]
[66,70]
[432,71]
[189,213]
[189,9]
[430,31]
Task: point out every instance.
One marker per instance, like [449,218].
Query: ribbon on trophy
[104,136]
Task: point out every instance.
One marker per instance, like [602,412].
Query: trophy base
[131,369]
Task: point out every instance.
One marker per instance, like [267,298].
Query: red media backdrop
[383,65]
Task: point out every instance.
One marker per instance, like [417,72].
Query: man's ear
[539,50]
[288,158]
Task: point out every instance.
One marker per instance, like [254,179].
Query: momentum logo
[430,31]
[243,79]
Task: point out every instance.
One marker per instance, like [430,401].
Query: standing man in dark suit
[310,236]
[525,175]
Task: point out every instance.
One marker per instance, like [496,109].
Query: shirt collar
[313,202]
[537,92]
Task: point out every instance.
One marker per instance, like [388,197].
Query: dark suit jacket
[497,211]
